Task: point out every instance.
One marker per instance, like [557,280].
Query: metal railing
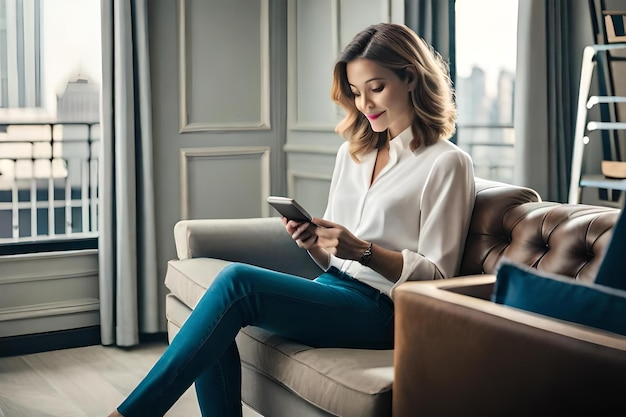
[491,148]
[48,180]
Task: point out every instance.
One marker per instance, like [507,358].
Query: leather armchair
[458,353]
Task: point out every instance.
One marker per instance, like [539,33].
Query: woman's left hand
[338,241]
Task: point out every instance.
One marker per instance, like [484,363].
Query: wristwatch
[366,256]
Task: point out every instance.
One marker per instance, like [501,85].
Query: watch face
[366,256]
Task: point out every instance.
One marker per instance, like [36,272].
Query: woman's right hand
[302,232]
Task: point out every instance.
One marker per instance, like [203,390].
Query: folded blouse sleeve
[446,207]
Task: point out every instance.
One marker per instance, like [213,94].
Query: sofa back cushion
[512,222]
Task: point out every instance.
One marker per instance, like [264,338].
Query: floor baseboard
[43,342]
[63,339]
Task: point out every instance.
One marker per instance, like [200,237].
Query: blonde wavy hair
[397,48]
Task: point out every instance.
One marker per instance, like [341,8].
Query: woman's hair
[397,48]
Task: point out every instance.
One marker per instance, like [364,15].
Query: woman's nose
[365,101]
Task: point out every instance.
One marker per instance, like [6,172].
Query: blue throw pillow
[612,271]
[561,297]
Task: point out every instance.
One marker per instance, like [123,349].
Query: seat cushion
[350,382]
[346,382]
[561,297]
[188,279]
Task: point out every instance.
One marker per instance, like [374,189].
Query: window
[50,76]
[486,32]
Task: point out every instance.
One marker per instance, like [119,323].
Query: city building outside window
[50,77]
[486,32]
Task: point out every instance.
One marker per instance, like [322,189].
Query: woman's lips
[374,116]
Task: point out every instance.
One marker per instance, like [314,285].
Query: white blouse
[420,204]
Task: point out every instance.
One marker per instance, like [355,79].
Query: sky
[486,32]
[71,44]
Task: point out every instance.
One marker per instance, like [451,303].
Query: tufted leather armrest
[559,238]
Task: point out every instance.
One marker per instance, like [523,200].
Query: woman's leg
[333,310]
[218,388]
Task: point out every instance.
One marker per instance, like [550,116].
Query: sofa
[285,378]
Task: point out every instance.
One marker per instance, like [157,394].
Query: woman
[399,207]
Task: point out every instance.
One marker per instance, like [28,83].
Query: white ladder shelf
[583,126]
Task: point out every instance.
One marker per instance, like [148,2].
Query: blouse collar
[403,140]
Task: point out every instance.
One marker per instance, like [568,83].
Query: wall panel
[219,38]
[50,291]
[218,183]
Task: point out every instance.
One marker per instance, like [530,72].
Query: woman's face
[380,95]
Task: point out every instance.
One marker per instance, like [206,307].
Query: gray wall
[242,108]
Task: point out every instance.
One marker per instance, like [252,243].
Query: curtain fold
[433,20]
[127,248]
[562,101]
[551,36]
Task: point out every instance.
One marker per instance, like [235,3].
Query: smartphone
[289,208]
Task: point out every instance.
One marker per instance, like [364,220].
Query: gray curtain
[551,38]
[433,20]
[127,249]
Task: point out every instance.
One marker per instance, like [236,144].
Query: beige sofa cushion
[188,279]
[348,382]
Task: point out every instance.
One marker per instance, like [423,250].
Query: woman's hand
[302,233]
[323,238]
[339,241]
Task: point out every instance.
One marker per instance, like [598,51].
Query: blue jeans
[334,310]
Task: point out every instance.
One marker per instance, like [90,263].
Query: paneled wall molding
[48,255]
[310,149]
[47,266]
[335,18]
[294,124]
[48,277]
[49,309]
[50,317]
[294,175]
[310,127]
[186,87]
[187,155]
[49,291]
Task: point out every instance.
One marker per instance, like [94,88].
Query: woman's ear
[411,78]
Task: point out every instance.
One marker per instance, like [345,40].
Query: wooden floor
[83,382]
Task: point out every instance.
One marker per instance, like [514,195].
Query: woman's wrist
[365,255]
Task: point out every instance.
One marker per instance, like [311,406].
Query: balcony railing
[491,148]
[48,180]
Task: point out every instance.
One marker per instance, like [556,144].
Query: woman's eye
[378,89]
[355,94]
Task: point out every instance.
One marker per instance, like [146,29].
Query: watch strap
[366,256]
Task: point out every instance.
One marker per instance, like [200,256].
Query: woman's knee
[235,276]
[237,270]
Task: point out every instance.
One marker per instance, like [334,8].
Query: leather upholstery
[458,353]
[461,355]
[552,237]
